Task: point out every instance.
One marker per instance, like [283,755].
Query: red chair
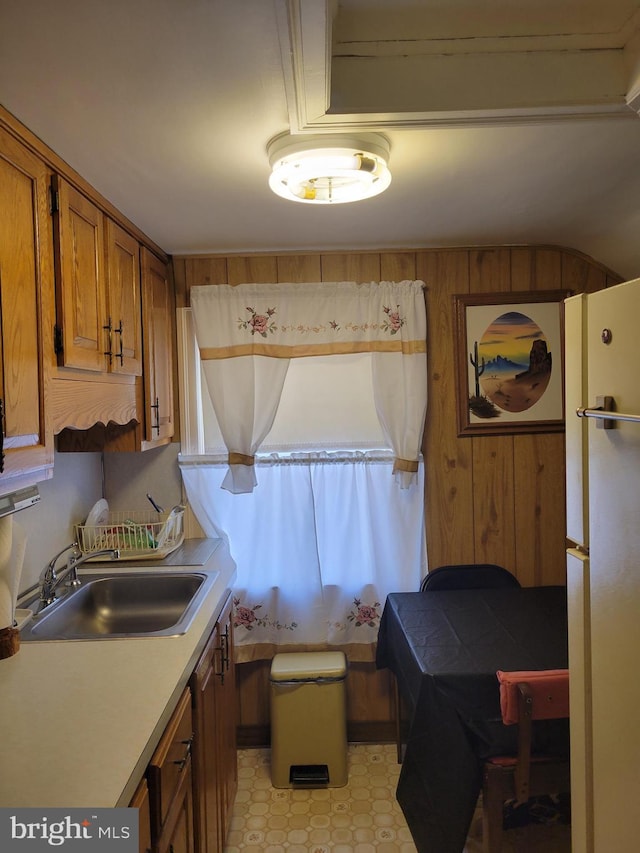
[524,697]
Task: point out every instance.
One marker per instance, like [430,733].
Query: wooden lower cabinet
[170,780]
[193,775]
[178,836]
[214,722]
[140,801]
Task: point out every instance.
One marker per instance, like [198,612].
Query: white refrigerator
[602,364]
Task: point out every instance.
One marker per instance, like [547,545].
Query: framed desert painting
[509,354]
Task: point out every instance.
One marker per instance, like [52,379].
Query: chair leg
[492,815]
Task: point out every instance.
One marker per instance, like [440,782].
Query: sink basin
[115,606]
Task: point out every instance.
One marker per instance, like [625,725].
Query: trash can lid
[307,666]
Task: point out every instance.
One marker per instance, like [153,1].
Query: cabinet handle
[182,761]
[220,649]
[156,406]
[1,436]
[223,648]
[225,654]
[109,353]
[119,331]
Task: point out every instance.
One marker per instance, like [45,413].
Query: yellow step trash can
[308,720]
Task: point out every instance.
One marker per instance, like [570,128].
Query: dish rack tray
[137,535]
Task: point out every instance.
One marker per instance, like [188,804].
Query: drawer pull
[182,761]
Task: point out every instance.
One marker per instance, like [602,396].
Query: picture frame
[509,362]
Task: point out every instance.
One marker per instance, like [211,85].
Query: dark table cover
[444,648]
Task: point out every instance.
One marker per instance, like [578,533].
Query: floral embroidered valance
[248,334]
[298,320]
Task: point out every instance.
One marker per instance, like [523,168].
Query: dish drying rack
[137,535]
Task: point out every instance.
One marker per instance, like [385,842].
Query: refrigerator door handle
[604,411]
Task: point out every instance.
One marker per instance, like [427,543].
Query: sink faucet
[51,578]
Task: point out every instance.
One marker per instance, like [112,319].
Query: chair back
[468,576]
[539,694]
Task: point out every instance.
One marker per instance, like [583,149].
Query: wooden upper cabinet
[123,301]
[80,279]
[98,287]
[26,315]
[158,329]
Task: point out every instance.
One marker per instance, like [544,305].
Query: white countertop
[81,719]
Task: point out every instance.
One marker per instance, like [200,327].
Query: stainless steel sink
[119,605]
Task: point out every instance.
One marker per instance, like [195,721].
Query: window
[327,532]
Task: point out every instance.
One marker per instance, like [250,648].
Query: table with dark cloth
[444,648]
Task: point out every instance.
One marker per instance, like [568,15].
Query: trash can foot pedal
[309,775]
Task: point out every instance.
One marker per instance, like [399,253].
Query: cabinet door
[227,719]
[178,834]
[140,801]
[215,720]
[80,286]
[123,301]
[205,756]
[171,783]
[26,289]
[158,349]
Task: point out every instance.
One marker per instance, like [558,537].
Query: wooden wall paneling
[548,267]
[346,266]
[539,502]
[597,279]
[398,266]
[492,456]
[448,460]
[299,268]
[575,273]
[490,270]
[254,269]
[523,267]
[538,496]
[581,276]
[611,280]
[252,686]
[369,695]
[494,504]
[205,271]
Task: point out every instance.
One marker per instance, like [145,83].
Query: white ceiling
[510,121]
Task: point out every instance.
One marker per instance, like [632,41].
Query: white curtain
[327,533]
[246,335]
[318,546]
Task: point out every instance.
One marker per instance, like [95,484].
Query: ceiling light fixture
[329,169]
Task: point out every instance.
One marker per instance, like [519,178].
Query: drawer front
[169,762]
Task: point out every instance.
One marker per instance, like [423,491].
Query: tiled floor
[362,817]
